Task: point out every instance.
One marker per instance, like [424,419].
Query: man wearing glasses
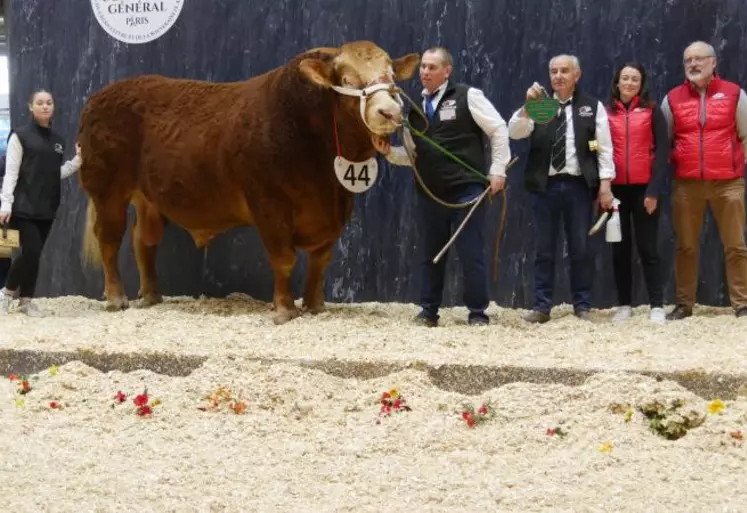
[707,121]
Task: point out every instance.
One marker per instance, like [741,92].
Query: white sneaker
[658,315]
[623,313]
[5,302]
[29,308]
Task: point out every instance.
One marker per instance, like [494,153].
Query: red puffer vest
[709,151]
[632,142]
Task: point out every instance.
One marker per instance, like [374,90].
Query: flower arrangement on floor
[141,401]
[23,383]
[392,402]
[223,397]
[485,413]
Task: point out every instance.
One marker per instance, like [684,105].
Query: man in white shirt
[569,164]
[459,118]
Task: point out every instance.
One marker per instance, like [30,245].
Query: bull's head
[363,70]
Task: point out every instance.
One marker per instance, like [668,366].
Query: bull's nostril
[385,114]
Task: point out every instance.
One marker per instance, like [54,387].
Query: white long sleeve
[12,167]
[520,127]
[490,121]
[605,161]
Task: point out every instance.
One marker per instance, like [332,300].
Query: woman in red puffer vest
[641,152]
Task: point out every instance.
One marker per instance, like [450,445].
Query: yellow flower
[20,401]
[629,415]
[394,393]
[606,447]
[53,370]
[156,402]
[716,406]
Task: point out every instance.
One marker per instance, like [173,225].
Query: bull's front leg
[319,259]
[274,223]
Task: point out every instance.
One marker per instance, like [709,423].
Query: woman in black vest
[31,195]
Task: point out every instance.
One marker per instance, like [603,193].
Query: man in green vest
[459,118]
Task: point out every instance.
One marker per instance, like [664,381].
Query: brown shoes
[679,312]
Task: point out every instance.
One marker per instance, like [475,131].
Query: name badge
[447,114]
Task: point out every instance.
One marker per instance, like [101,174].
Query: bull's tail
[91,251]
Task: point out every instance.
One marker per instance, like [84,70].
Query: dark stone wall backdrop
[500,46]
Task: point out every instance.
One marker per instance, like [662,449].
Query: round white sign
[356,177]
[136,21]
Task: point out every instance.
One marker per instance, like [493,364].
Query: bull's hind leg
[146,235]
[111,223]
[319,259]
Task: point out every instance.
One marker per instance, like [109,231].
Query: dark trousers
[437,223]
[4,269]
[25,268]
[646,226]
[570,199]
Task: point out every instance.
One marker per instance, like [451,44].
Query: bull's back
[146,115]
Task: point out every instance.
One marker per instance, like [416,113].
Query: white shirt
[486,117]
[521,127]
[13,166]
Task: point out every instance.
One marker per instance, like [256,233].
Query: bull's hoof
[117,304]
[283,315]
[315,307]
[151,300]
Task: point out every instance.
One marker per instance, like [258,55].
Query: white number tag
[356,176]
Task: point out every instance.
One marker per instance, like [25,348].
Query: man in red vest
[707,121]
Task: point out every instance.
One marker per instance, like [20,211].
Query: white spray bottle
[613,232]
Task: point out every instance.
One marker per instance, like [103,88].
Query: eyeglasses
[697,59]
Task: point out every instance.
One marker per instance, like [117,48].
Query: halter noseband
[375,86]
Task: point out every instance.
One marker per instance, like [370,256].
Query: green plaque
[542,110]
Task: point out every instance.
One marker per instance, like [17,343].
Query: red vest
[711,151]
[632,142]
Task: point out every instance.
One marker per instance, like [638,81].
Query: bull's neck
[353,137]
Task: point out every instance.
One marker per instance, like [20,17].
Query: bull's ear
[317,71]
[405,66]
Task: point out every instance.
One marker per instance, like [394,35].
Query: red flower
[54,405]
[550,432]
[483,409]
[120,397]
[385,395]
[13,377]
[141,399]
[471,422]
[466,415]
[397,403]
[144,410]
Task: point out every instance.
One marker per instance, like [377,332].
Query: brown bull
[212,156]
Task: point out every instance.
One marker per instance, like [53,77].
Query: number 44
[362,175]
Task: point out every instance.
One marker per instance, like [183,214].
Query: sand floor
[308,441]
